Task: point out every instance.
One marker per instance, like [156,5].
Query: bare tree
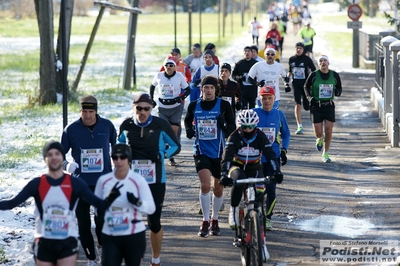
[44,11]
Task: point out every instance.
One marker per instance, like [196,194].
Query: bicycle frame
[250,234]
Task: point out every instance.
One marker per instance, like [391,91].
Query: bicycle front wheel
[256,240]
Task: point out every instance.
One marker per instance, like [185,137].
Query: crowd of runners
[237,130]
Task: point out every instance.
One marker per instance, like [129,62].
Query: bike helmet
[300,44]
[248,117]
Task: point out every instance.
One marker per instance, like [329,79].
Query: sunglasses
[169,65]
[122,157]
[270,54]
[248,127]
[140,108]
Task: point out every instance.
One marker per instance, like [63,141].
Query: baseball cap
[170,61]
[267,90]
[176,50]
[143,98]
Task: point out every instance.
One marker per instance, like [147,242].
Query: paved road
[354,197]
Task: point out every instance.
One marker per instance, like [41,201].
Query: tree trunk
[44,9]
[69,6]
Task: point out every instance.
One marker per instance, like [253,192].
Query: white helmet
[248,117]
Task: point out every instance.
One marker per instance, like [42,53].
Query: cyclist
[242,158]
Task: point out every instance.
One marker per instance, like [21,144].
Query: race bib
[325,91]
[56,223]
[306,40]
[248,151]
[118,220]
[92,160]
[207,129]
[228,99]
[145,168]
[299,73]
[167,91]
[270,133]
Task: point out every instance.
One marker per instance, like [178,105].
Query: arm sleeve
[28,191]
[148,205]
[189,115]
[285,131]
[152,88]
[228,154]
[229,117]
[170,138]
[338,88]
[307,86]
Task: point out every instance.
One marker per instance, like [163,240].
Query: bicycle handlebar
[266,180]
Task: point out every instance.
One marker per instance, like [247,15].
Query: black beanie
[208,52]
[210,80]
[227,66]
[122,149]
[53,145]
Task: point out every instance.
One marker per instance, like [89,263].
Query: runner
[230,89]
[56,196]
[273,123]
[148,137]
[195,60]
[89,139]
[124,232]
[254,28]
[307,34]
[213,120]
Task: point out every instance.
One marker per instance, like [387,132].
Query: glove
[71,167]
[190,133]
[283,156]
[287,87]
[221,122]
[197,82]
[178,99]
[261,83]
[114,193]
[286,79]
[226,181]
[154,103]
[338,92]
[132,199]
[278,176]
[238,106]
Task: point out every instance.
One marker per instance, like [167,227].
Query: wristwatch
[139,203]
[166,155]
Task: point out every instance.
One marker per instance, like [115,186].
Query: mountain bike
[250,234]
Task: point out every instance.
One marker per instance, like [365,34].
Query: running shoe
[204,231]
[325,158]
[265,253]
[268,225]
[319,144]
[99,251]
[214,228]
[299,131]
[172,162]
[233,217]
